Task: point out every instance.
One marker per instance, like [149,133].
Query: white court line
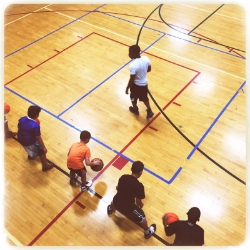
[26,15]
[204,65]
[12,238]
[214,13]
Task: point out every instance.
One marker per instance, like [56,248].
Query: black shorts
[134,212]
[139,92]
[79,172]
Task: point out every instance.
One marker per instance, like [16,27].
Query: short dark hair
[85,135]
[33,111]
[137,167]
[194,214]
[134,49]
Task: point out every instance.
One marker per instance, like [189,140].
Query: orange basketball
[38,121]
[97,168]
[6,108]
[171,217]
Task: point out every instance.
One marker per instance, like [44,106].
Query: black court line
[187,139]
[204,20]
[201,38]
[101,198]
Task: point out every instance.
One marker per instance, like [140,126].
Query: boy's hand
[127,90]
[164,220]
[97,162]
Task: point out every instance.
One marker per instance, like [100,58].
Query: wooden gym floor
[72,61]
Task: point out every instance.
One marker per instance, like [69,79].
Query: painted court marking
[214,122]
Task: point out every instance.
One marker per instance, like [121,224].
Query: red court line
[54,220]
[148,53]
[176,103]
[80,204]
[133,139]
[47,59]
[124,148]
[155,129]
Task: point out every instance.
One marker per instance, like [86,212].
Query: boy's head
[85,136]
[137,168]
[33,111]
[194,214]
[134,51]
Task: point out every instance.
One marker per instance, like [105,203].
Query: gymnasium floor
[72,61]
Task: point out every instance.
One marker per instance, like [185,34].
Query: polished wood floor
[72,61]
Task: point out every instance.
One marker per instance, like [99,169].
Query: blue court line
[206,46]
[173,36]
[217,118]
[92,90]
[106,79]
[131,22]
[92,138]
[52,32]
[152,173]
[122,20]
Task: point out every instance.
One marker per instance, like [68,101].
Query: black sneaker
[133,110]
[109,210]
[149,113]
[152,229]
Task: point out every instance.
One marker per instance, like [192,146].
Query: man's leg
[134,109]
[46,165]
[148,230]
[85,185]
[149,111]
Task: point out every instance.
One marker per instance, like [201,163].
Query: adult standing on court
[187,233]
[128,198]
[29,135]
[138,82]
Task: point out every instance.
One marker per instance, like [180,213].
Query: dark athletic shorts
[139,92]
[79,172]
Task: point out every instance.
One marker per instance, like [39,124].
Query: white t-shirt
[139,67]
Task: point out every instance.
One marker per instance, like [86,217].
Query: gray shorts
[34,150]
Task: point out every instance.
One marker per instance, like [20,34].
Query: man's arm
[130,82]
[149,68]
[139,202]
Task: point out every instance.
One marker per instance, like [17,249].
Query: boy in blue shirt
[29,136]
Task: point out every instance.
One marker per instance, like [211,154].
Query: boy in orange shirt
[79,152]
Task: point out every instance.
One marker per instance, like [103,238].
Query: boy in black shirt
[128,198]
[187,233]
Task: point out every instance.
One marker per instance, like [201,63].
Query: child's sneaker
[109,210]
[149,113]
[73,181]
[49,166]
[151,230]
[87,185]
[134,110]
